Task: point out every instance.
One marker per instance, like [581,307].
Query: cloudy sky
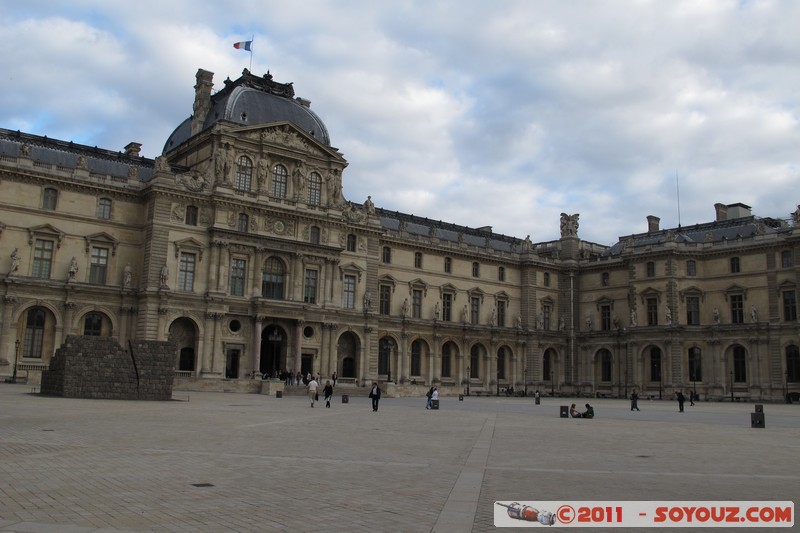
[502,113]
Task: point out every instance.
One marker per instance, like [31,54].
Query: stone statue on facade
[367,300]
[164,277]
[436,311]
[668,315]
[494,317]
[73,269]
[716,316]
[753,314]
[14,263]
[589,323]
[369,206]
[562,323]
[127,276]
[465,314]
[404,309]
[518,322]
[633,318]
[796,216]
[569,225]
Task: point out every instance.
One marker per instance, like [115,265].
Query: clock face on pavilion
[279,227]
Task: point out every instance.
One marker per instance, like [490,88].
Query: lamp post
[468,377]
[525,379]
[16,355]
[552,385]
[275,339]
[498,383]
[731,385]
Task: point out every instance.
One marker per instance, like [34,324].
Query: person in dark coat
[375,396]
[328,393]
[634,401]
[681,400]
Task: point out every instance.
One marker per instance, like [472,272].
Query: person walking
[435,397]
[312,390]
[692,397]
[681,400]
[328,393]
[635,401]
[430,396]
[333,377]
[375,396]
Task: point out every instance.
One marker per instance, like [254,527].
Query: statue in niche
[716,316]
[668,315]
[436,310]
[569,225]
[405,308]
[633,318]
[73,268]
[518,322]
[562,324]
[164,277]
[14,262]
[298,179]
[367,300]
[589,323]
[219,164]
[465,314]
[127,276]
[753,314]
[494,317]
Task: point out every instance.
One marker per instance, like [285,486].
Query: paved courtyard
[219,462]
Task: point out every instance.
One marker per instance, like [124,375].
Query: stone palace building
[238,245]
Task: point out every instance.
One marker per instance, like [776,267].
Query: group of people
[290,379]
[574,413]
[678,396]
[327,391]
[433,394]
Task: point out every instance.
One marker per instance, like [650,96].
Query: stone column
[297,282]
[222,268]
[69,312]
[362,360]
[298,350]
[404,365]
[213,265]
[217,361]
[257,328]
[208,343]
[162,323]
[258,264]
[7,348]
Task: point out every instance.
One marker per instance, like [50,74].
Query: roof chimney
[133,149]
[739,210]
[202,99]
[722,212]
[652,223]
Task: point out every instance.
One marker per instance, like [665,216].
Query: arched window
[272,279]
[605,365]
[739,364]
[385,349]
[243,223]
[655,364]
[34,333]
[474,361]
[501,363]
[279,178]
[792,364]
[448,353]
[93,324]
[695,364]
[191,215]
[314,189]
[416,358]
[244,174]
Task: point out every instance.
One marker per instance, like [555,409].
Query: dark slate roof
[252,100]
[414,225]
[719,231]
[65,154]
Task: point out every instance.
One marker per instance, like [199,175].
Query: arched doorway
[273,351]
[347,355]
[183,333]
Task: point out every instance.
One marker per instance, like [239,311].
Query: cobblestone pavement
[219,462]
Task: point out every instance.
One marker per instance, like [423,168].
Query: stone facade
[238,245]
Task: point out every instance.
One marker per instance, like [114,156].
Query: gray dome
[251,100]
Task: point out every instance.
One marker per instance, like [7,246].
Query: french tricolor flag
[244,45]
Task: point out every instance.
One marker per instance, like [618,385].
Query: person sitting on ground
[573,412]
[589,413]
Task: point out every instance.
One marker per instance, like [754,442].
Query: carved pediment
[650,292]
[418,284]
[46,231]
[189,245]
[735,290]
[605,300]
[476,292]
[351,268]
[692,291]
[502,296]
[101,238]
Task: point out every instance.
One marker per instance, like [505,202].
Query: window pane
[416,303]
[99,266]
[447,307]
[34,333]
[789,306]
[315,189]
[349,292]
[244,174]
[191,215]
[49,198]
[186,272]
[238,268]
[42,259]
[104,209]
[310,287]
[272,279]
[93,324]
[385,299]
[279,179]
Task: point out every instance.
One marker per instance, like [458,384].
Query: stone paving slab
[220,462]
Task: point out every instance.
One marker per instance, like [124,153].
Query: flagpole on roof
[253,38]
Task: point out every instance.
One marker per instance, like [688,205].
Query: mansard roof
[69,155]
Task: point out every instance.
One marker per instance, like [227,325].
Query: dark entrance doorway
[273,350]
[232,364]
[307,365]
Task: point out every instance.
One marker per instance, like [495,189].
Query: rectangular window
[447,307]
[384,299]
[475,309]
[476,269]
[789,306]
[416,303]
[315,189]
[191,215]
[691,268]
[787,259]
[735,267]
[605,317]
[315,234]
[695,365]
[692,311]
[651,269]
[652,311]
[186,272]
[238,268]
[501,314]
[546,279]
[501,274]
[42,259]
[737,309]
[99,266]
[448,265]
[417,259]
[349,292]
[310,286]
[386,255]
[49,199]
[104,209]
